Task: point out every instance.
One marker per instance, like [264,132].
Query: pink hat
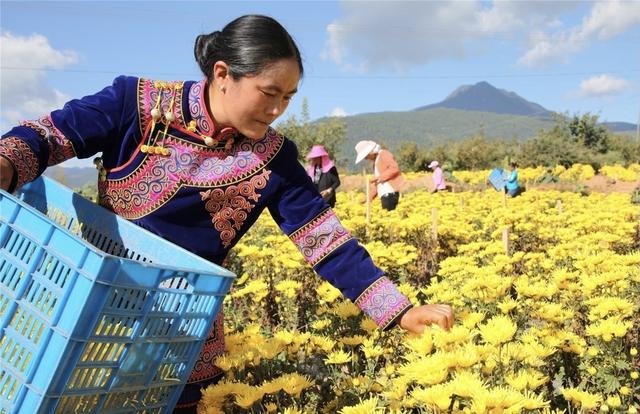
[433,164]
[364,148]
[317,151]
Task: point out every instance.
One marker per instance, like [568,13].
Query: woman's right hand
[6,173]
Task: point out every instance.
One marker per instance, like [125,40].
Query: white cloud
[398,34]
[24,90]
[339,112]
[605,20]
[602,85]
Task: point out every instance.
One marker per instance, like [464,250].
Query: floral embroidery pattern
[148,95]
[213,347]
[382,302]
[158,178]
[23,158]
[60,148]
[229,208]
[320,236]
[198,109]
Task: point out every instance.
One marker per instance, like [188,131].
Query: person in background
[511,187]
[387,178]
[324,174]
[197,162]
[439,183]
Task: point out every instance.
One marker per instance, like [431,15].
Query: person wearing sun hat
[387,178]
[324,174]
[438,177]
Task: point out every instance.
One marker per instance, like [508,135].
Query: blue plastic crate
[97,315]
[496,178]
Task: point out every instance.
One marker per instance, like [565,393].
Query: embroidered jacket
[159,173]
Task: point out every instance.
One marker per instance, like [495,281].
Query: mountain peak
[485,97]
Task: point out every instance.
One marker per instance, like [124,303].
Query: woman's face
[250,104]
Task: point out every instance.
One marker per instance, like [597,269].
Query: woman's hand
[418,318]
[326,193]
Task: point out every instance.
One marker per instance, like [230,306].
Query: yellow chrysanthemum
[338,357]
[365,407]
[498,330]
[437,396]
[582,399]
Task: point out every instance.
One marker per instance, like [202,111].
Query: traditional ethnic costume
[166,167]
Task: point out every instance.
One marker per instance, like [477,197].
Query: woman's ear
[221,75]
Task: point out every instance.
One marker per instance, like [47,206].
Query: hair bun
[206,48]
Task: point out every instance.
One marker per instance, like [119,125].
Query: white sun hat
[364,148]
[433,164]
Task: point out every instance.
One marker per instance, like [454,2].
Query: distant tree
[627,147]
[441,153]
[478,153]
[407,155]
[331,132]
[88,191]
[583,129]
[551,148]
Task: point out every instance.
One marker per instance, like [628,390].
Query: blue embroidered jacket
[159,172]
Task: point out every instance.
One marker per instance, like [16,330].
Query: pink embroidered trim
[198,108]
[23,158]
[229,208]
[382,302]
[60,148]
[213,348]
[158,178]
[320,237]
[148,95]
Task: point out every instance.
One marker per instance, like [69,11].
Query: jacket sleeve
[82,128]
[329,248]
[335,178]
[387,167]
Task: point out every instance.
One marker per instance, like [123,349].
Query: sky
[359,56]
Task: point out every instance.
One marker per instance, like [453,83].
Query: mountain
[470,110]
[620,126]
[73,177]
[485,97]
[435,126]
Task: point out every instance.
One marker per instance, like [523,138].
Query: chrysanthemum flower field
[545,286]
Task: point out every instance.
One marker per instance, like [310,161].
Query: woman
[196,162]
[438,177]
[387,178]
[511,187]
[322,171]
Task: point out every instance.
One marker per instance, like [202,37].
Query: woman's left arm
[336,255]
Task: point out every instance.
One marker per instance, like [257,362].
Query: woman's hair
[247,45]
[513,164]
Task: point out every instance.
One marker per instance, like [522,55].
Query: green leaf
[611,383]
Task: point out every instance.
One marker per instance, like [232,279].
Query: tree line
[579,138]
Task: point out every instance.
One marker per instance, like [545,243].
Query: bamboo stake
[559,206]
[366,183]
[434,224]
[505,240]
